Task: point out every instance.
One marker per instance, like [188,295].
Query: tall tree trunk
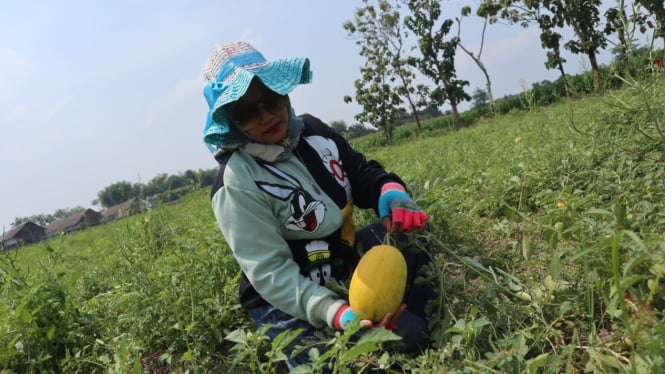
[387,133]
[457,120]
[490,96]
[591,53]
[488,83]
[624,48]
[597,79]
[449,88]
[414,109]
[478,62]
[564,78]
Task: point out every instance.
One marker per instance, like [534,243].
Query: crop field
[549,234]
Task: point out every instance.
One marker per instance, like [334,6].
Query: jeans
[412,325]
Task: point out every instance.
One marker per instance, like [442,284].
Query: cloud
[174,102]
[14,66]
[505,49]
[40,113]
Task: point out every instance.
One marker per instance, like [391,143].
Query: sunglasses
[249,114]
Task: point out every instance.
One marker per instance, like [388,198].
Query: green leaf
[137,369]
[597,211]
[636,239]
[237,336]
[537,362]
[50,333]
[554,267]
[378,335]
[565,307]
[187,356]
[285,338]
[478,323]
[358,350]
[527,249]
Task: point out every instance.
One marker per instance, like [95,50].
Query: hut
[74,222]
[25,233]
[127,208]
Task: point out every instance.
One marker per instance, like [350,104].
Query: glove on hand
[345,315]
[394,202]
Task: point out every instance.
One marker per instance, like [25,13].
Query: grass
[549,228]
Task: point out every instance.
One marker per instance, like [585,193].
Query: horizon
[95,94]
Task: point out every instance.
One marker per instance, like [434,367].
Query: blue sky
[95,92]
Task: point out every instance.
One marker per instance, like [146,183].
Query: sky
[96,92]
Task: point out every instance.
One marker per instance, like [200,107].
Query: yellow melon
[378,283]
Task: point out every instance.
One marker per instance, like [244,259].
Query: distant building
[74,222]
[129,207]
[25,233]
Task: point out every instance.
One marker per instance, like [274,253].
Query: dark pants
[412,326]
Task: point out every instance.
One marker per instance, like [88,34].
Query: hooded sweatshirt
[289,221]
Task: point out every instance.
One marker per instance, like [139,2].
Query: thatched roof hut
[25,233]
[127,208]
[74,222]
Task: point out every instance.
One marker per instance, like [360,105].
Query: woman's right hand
[345,315]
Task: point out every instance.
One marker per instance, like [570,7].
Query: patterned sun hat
[230,70]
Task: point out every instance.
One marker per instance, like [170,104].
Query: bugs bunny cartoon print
[306,213]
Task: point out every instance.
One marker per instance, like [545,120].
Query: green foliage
[378,32]
[161,188]
[437,60]
[340,127]
[44,219]
[149,290]
[347,351]
[548,227]
[255,351]
[480,99]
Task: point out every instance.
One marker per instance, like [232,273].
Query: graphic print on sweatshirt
[329,154]
[319,269]
[306,213]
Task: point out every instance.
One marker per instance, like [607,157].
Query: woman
[284,199]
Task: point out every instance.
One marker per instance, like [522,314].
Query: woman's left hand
[390,320]
[398,211]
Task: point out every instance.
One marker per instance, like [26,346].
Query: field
[549,228]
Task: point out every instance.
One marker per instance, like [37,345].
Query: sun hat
[228,74]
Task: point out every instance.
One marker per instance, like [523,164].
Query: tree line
[383,28]
[389,96]
[162,188]
[166,188]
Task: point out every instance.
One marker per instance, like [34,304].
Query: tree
[655,18]
[476,58]
[386,78]
[479,98]
[618,22]
[584,18]
[45,219]
[525,14]
[116,193]
[155,186]
[438,54]
[359,130]
[40,219]
[206,177]
[339,127]
[552,40]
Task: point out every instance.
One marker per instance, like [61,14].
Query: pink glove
[405,214]
[345,315]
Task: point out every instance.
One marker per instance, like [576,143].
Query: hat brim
[281,76]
